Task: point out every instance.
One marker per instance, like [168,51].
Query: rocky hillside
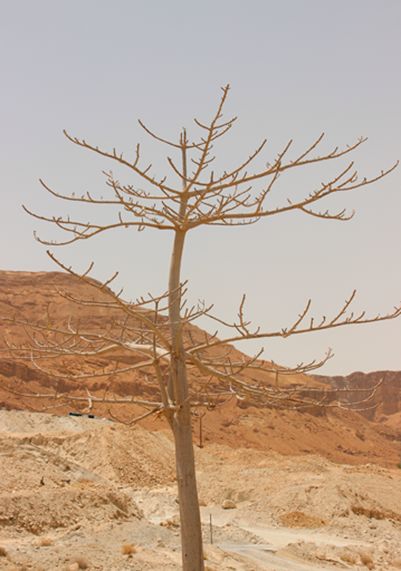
[338,434]
[386,400]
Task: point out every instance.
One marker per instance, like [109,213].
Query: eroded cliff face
[46,298]
[341,435]
[385,399]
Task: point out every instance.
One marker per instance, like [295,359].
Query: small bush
[128,549]
[366,559]
[3,552]
[349,557]
[45,541]
[80,563]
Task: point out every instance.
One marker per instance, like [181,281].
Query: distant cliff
[385,401]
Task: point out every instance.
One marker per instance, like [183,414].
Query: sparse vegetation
[300,519]
[80,562]
[45,541]
[349,557]
[366,559]
[128,549]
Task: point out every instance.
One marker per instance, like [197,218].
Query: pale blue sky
[297,68]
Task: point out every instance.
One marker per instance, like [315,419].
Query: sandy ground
[79,493]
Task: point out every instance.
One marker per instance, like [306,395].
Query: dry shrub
[300,519]
[349,557]
[371,513]
[374,513]
[366,559]
[172,523]
[128,549]
[45,541]
[3,552]
[85,482]
[80,563]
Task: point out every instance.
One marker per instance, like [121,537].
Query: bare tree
[157,328]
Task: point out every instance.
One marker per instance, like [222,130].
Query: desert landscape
[80,493]
[279,489]
[200,314]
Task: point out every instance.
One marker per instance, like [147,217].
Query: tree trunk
[180,421]
[190,524]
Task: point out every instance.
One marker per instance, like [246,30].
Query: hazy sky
[297,68]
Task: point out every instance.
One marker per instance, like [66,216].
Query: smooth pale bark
[190,523]
[180,422]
